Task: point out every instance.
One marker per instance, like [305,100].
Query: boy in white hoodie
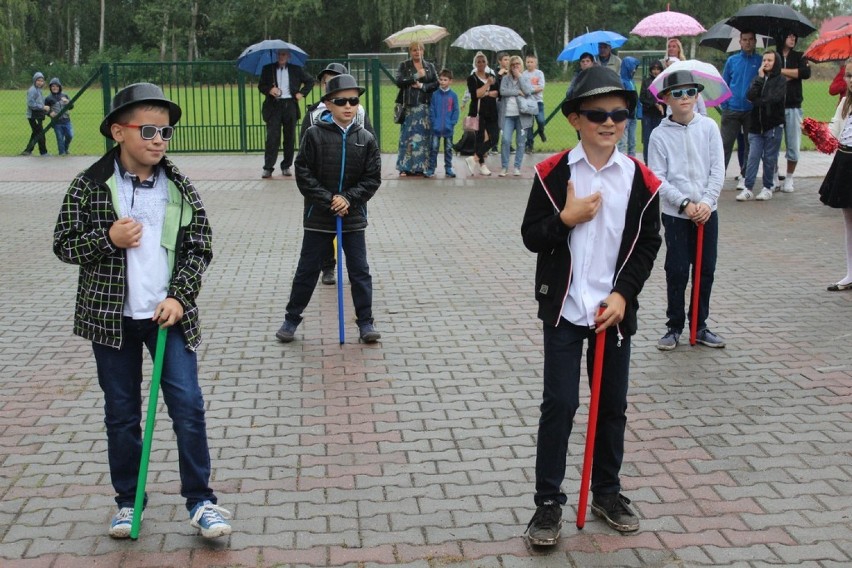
[686,153]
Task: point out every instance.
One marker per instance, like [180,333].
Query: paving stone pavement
[419,450]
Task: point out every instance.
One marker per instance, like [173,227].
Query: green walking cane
[153,396]
[150,417]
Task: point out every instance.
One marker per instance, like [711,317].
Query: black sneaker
[328,276]
[543,528]
[287,332]
[615,509]
[368,333]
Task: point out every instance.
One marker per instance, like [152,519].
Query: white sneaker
[503,172]
[471,165]
[483,169]
[787,187]
[764,195]
[517,172]
[740,183]
[745,195]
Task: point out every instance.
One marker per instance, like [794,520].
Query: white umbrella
[715,92]
[425,33]
[490,37]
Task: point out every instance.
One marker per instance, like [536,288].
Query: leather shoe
[839,287]
[328,277]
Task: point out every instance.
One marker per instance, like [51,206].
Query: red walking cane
[597,371]
[696,285]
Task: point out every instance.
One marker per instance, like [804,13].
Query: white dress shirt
[595,244]
[283,82]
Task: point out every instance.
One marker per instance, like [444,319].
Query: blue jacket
[740,70]
[444,112]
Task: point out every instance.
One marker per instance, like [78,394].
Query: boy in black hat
[313,115]
[593,217]
[338,170]
[686,153]
[138,230]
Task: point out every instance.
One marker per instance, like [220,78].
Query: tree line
[69,34]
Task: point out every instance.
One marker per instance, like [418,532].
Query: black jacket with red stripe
[544,233]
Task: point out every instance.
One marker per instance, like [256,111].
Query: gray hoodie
[690,162]
[35,98]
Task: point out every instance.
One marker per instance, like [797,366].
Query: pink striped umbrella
[668,24]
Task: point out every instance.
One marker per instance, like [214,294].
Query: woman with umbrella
[674,52]
[416,79]
[484,91]
[834,190]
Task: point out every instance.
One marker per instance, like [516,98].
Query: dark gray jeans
[734,122]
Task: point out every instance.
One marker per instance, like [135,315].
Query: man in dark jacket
[284,86]
[593,218]
[338,170]
[795,69]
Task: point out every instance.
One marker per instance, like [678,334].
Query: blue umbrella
[588,43]
[254,57]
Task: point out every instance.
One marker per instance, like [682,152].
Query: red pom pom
[820,135]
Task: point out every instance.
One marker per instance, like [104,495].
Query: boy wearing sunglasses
[687,154]
[138,230]
[593,219]
[338,170]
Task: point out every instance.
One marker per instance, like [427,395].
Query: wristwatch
[683,204]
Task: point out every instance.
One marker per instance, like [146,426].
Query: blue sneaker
[368,333]
[210,519]
[451,174]
[710,339]
[120,525]
[429,173]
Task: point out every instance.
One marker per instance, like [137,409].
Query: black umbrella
[725,38]
[773,20]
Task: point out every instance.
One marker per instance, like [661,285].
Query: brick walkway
[420,450]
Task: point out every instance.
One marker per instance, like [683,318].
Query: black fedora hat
[332,69]
[339,83]
[138,93]
[594,82]
[680,78]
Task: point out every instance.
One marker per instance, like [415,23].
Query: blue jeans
[64,134]
[512,124]
[448,153]
[627,142]
[563,351]
[120,377]
[681,244]
[763,147]
[539,121]
[315,245]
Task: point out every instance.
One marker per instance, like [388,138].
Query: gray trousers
[734,122]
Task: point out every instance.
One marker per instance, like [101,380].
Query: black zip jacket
[544,233]
[794,60]
[767,94]
[331,161]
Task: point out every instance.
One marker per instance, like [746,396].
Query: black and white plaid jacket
[81,237]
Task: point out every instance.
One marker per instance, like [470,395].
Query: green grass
[211,131]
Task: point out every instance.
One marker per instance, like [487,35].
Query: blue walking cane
[153,397]
[340,322]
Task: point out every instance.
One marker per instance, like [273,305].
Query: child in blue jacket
[443,114]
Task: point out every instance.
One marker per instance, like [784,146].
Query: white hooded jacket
[690,162]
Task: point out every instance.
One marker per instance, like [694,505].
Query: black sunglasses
[354,101]
[680,93]
[600,116]
[149,131]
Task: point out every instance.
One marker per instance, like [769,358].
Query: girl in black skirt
[835,190]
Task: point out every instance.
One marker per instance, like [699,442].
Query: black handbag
[399,113]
